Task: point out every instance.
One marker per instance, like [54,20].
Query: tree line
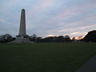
[90,37]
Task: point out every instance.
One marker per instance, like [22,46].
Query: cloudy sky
[49,17]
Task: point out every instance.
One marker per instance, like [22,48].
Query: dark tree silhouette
[33,37]
[67,38]
[90,37]
[55,39]
[6,38]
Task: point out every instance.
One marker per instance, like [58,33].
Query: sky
[49,17]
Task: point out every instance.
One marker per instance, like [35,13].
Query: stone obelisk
[22,30]
[22,37]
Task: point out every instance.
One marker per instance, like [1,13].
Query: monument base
[21,39]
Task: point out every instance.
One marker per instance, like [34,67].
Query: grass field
[45,57]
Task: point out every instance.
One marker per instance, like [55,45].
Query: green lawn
[45,57]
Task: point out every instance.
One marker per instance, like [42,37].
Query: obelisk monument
[22,30]
[22,37]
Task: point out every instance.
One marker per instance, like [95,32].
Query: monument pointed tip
[23,9]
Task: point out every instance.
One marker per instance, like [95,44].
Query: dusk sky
[49,17]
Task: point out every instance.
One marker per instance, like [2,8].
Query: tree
[33,37]
[90,37]
[6,38]
[67,38]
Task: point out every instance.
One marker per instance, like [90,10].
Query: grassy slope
[44,57]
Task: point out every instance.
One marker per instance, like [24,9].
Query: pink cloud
[78,33]
[88,27]
[72,11]
[41,6]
